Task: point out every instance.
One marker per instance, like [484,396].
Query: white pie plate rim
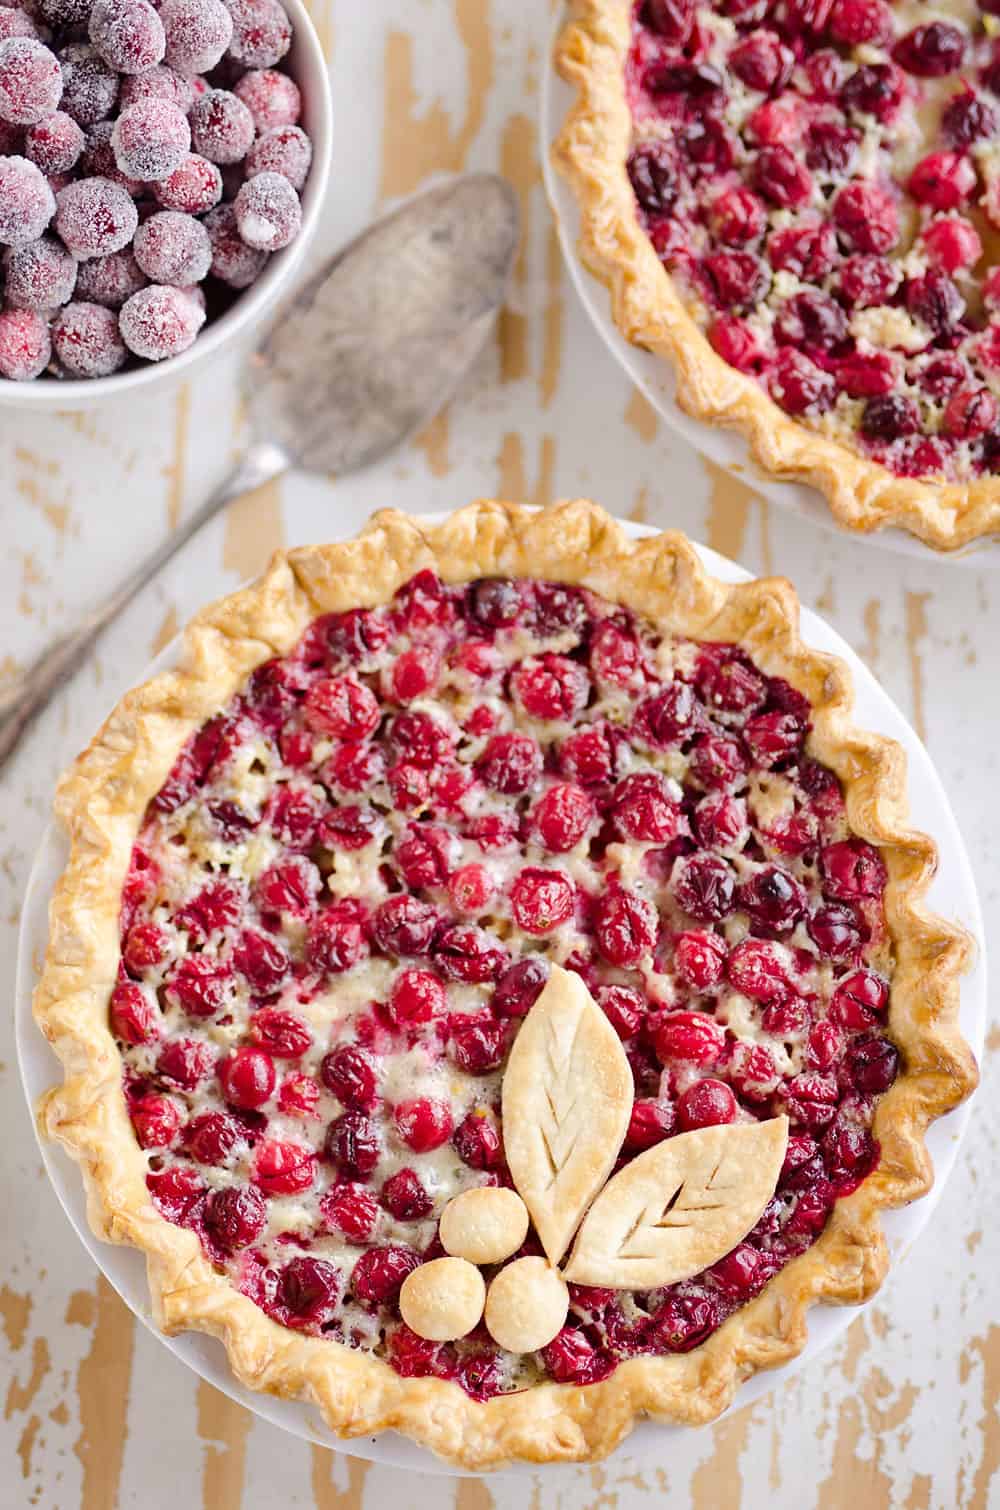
[953,894]
[654,376]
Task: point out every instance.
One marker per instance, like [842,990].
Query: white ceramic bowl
[953,893]
[308,67]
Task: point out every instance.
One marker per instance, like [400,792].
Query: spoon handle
[25,697]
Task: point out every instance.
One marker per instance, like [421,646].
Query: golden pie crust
[101,802]
[591,152]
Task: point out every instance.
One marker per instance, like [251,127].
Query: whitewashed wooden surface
[95,1413]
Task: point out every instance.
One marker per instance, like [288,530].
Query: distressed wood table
[903,1413]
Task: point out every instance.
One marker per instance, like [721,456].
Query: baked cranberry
[261,961]
[953,245]
[707,1103]
[177,1193]
[890,416]
[378,1274]
[478,1042]
[495,602]
[967,119]
[405,1198]
[752,1071]
[423,1124]
[671,19]
[298,1096]
[402,926]
[414,1357]
[541,899]
[686,1319]
[831,148]
[185,1062]
[825,71]
[422,854]
[311,1289]
[624,926]
[651,1121]
[293,815]
[699,958]
[349,1072]
[591,756]
[707,143]
[283,1168]
[697,81]
[214,1137]
[342,706]
[758,969]
[871,1064]
[247,1077]
[798,385]
[825,1046]
[852,869]
[654,175]
[866,217]
[693,1036]
[562,817]
[867,375]
[288,887]
[774,738]
[971,413]
[155,1120]
[668,717]
[235,1216]
[835,932]
[726,681]
[943,180]
[811,1099]
[200,986]
[519,987]
[644,809]
[551,686]
[284,1034]
[571,1358]
[781,178]
[773,898]
[855,21]
[738,280]
[720,821]
[776,123]
[352,1143]
[416,997]
[351,1210]
[932,50]
[874,89]
[850,1153]
[808,251]
[134,1015]
[738,1274]
[704,886]
[736,343]
[480,1374]
[811,319]
[623,1007]
[477,1140]
[337,939]
[465,953]
[511,763]
[616,657]
[762,61]
[935,300]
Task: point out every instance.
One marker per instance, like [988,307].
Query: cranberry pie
[798,202]
[494,985]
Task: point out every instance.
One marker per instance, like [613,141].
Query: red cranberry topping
[478,1042]
[214,1137]
[872,1064]
[799,386]
[378,1274]
[351,1210]
[622,1006]
[177,1193]
[405,1198]
[874,89]
[247,1077]
[541,899]
[423,1124]
[337,937]
[134,1015]
[352,1143]
[477,1140]
[465,953]
[690,1035]
[563,816]
[404,926]
[967,118]
[283,1168]
[519,988]
[686,1319]
[705,887]
[511,763]
[235,1216]
[931,50]
[156,1121]
[624,927]
[349,1073]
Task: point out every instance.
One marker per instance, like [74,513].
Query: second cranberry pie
[494,985]
[798,203]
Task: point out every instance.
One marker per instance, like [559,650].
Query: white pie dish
[953,894]
[308,67]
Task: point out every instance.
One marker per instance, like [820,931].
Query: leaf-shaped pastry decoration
[679,1207]
[567,1098]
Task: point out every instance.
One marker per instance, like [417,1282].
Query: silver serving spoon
[364,355]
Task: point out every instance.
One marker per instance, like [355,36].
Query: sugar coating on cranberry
[31,82]
[159,83]
[86,341]
[173,248]
[193,188]
[198,33]
[128,34]
[54,144]
[25,347]
[222,128]
[90,86]
[160,322]
[110,280]
[16,23]
[285,150]
[233,262]
[95,216]
[262,32]
[272,98]
[151,140]
[268,213]
[27,203]
[40,276]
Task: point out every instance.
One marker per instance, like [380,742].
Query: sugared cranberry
[90,87]
[26,204]
[282,149]
[351,1210]
[352,1143]
[932,50]
[247,1077]
[221,129]
[262,32]
[379,1273]
[349,1072]
[128,34]
[268,212]
[233,262]
[541,899]
[197,34]
[423,1124]
[31,82]
[160,322]
[235,1216]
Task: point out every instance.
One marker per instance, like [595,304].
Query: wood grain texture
[903,1413]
